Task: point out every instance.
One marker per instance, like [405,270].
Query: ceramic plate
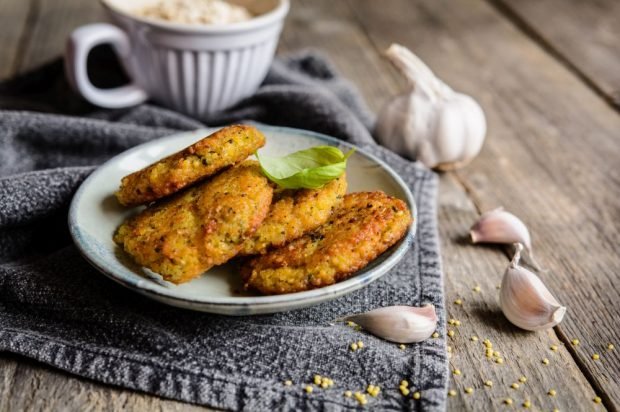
[95,215]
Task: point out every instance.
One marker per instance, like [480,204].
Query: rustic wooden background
[547,73]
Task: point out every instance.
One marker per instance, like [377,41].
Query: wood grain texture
[52,21]
[467,266]
[585,35]
[13,18]
[548,158]
[330,27]
[548,133]
[29,386]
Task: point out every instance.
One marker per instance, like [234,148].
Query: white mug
[193,69]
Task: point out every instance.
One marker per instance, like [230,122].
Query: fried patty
[295,212]
[226,147]
[203,226]
[365,225]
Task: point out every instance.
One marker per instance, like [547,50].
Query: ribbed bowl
[200,70]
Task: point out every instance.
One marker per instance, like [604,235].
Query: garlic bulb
[525,300]
[401,324]
[429,121]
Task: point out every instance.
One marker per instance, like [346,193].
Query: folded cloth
[55,308]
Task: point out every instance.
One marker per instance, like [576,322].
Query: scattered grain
[361,398]
[373,390]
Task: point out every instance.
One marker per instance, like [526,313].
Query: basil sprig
[305,169]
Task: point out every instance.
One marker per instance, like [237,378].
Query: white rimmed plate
[95,215]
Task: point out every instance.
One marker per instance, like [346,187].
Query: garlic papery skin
[526,301]
[400,324]
[499,226]
[429,121]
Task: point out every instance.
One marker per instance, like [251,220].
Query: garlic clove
[499,226]
[526,301]
[458,138]
[400,324]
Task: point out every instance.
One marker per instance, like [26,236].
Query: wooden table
[547,73]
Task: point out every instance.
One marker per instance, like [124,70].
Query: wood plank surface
[467,266]
[551,158]
[583,34]
[29,386]
[331,28]
[13,20]
[537,161]
[52,22]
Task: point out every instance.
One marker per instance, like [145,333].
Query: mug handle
[79,45]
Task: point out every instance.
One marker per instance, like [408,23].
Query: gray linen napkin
[57,309]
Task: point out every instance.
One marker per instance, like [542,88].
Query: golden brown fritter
[205,225]
[226,147]
[295,212]
[365,225]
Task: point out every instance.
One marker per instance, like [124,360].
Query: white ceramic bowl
[193,69]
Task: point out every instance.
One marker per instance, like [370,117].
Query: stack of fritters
[207,204]
[201,227]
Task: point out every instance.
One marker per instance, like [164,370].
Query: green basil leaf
[305,169]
